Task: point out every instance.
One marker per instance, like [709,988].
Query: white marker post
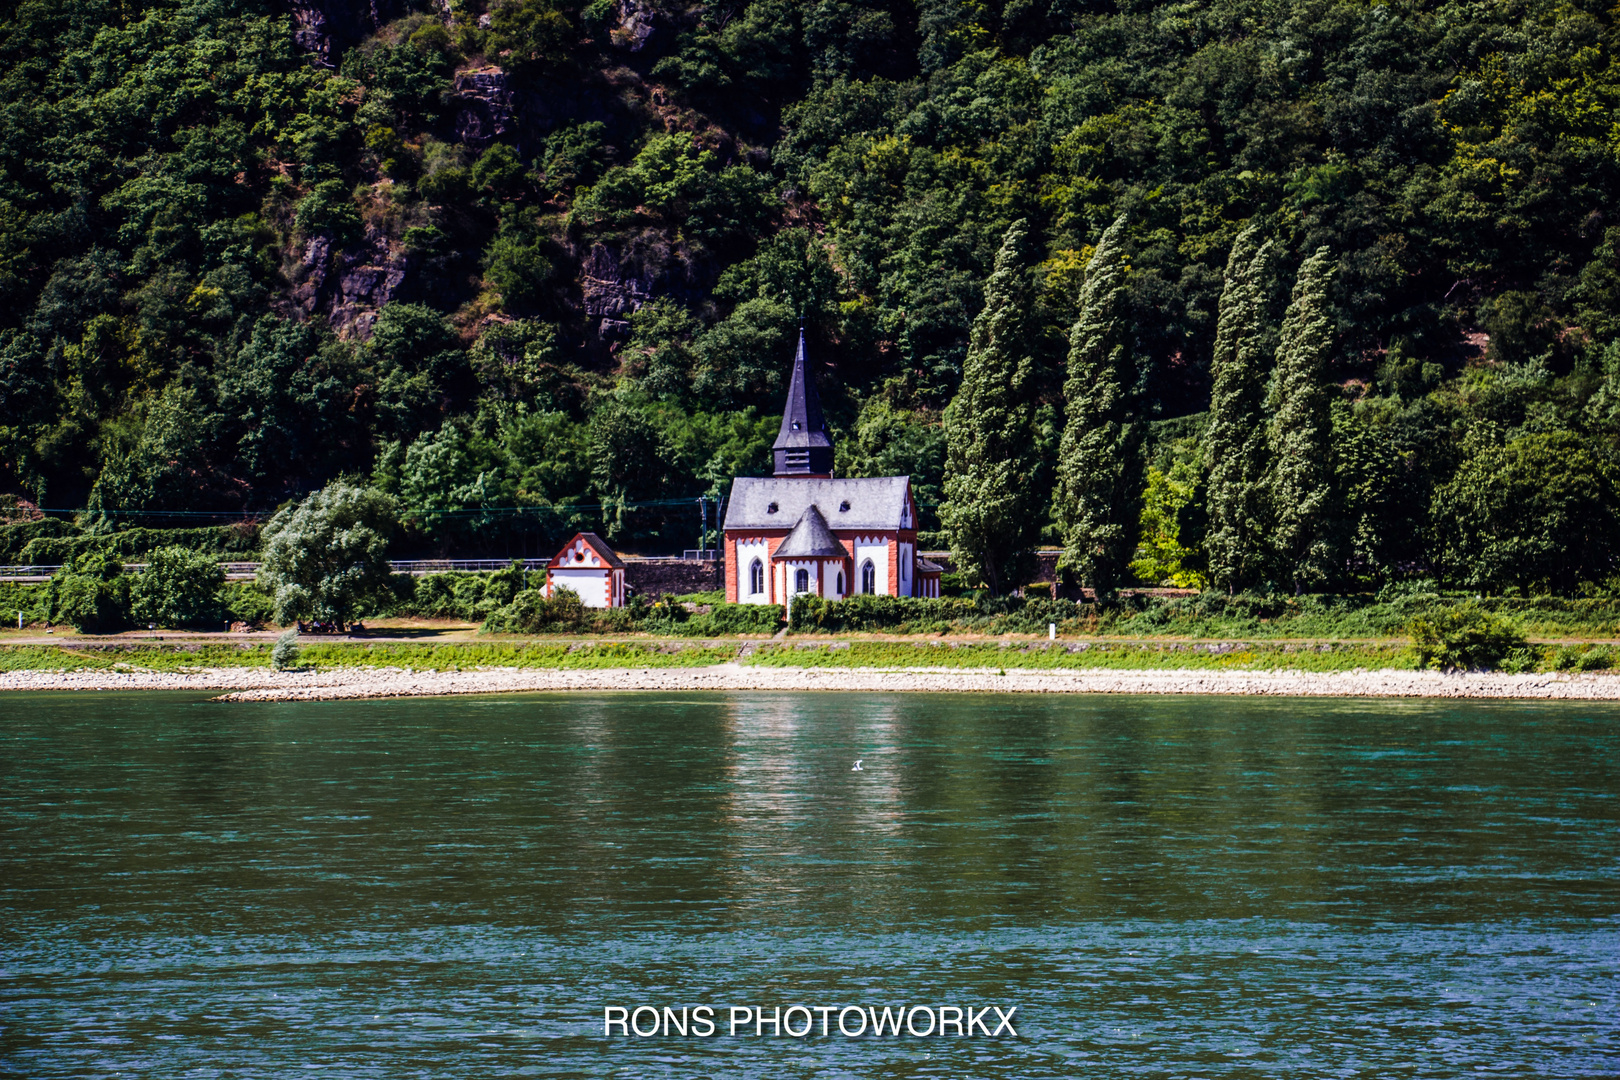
[1051,631]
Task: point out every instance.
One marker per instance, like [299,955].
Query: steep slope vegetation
[535,265]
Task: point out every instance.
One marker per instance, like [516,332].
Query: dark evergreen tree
[991,512]
[1301,432]
[1235,440]
[1098,489]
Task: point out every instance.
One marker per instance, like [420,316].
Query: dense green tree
[179,588]
[1537,513]
[291,396]
[449,478]
[892,442]
[1301,433]
[516,266]
[1098,480]
[674,180]
[327,555]
[423,368]
[1235,438]
[1171,550]
[746,358]
[629,466]
[529,31]
[91,593]
[990,509]
[160,459]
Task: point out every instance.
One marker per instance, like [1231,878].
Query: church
[804,530]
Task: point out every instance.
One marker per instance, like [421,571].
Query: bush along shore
[177,591]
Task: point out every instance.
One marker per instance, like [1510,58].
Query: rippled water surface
[1163,887]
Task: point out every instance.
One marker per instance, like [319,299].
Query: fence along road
[247,571]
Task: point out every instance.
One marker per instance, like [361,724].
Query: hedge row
[51,541]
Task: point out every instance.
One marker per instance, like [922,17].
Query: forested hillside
[532,266]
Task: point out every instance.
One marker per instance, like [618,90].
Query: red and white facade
[803,532]
[588,566]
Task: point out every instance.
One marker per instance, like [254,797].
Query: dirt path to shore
[261,684]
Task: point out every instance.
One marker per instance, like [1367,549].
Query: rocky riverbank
[261,684]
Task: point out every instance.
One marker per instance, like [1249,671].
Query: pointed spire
[802,446]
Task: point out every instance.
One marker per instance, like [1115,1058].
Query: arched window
[801,581]
[756,578]
[868,577]
[840,583]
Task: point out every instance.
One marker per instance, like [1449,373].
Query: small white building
[589,567]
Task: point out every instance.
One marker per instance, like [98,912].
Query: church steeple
[803,447]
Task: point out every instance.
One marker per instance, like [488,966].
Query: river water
[1162,887]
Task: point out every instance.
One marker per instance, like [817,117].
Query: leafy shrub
[246,602]
[1465,637]
[714,596]
[472,596]
[722,619]
[1598,659]
[92,595]
[16,538]
[328,209]
[62,545]
[449,596]
[531,613]
[284,657]
[666,611]
[30,601]
[1584,658]
[877,612]
[178,588]
[998,614]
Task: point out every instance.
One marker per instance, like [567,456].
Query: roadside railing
[238,571]
[38,570]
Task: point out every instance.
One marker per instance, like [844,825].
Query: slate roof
[595,543]
[809,537]
[876,504]
[928,566]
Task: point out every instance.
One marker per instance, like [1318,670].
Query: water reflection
[438,888]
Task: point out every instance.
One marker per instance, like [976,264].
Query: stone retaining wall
[658,577]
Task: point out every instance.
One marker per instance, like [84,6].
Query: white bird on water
[857,767]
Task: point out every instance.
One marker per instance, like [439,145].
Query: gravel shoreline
[263,684]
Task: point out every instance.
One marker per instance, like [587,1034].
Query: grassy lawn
[1080,656]
[848,651]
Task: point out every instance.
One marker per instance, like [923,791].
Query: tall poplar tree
[990,510]
[1235,439]
[1301,431]
[1098,492]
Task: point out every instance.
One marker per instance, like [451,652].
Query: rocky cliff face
[324,28]
[486,109]
[611,291]
[350,286]
[638,22]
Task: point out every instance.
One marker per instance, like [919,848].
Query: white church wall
[790,576]
[875,548]
[747,552]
